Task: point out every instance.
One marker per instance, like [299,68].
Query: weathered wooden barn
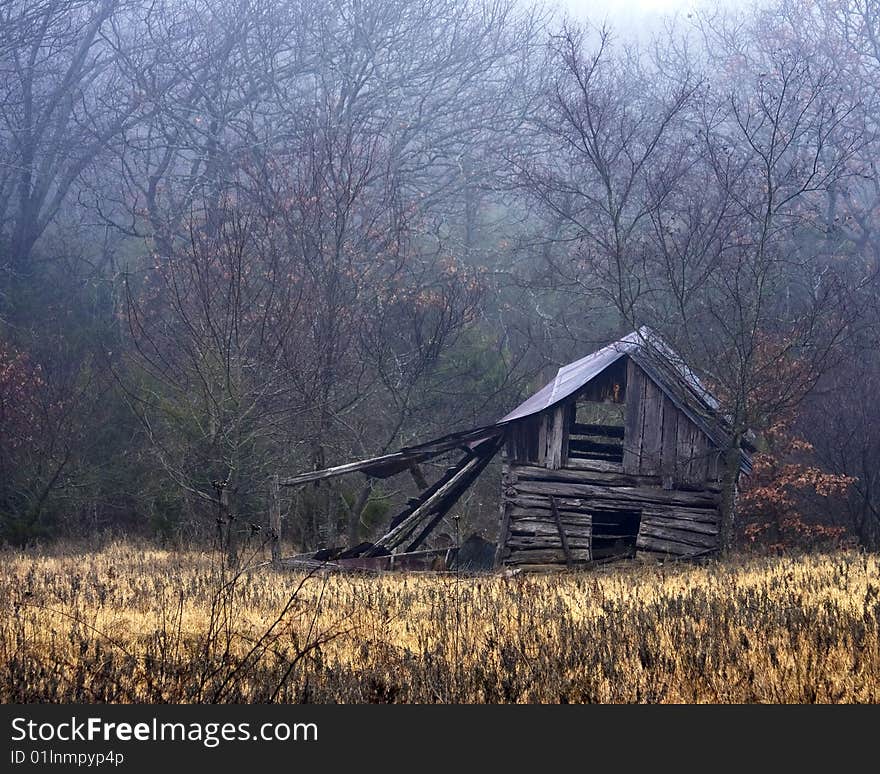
[618,456]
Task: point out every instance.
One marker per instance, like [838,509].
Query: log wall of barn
[548,514]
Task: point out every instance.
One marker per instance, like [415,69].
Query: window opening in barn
[597,422]
[615,534]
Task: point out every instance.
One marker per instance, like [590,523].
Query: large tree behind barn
[619,456]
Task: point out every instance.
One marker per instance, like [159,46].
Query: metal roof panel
[570,378]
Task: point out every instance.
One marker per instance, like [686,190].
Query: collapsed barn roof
[391,464]
[663,365]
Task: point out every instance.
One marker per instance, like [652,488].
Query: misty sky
[639,11]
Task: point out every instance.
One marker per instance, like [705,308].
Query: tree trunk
[324,495]
[729,479]
[228,514]
[471,208]
[354,515]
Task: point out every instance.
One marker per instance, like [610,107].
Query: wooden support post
[562,536]
[275,519]
[557,437]
[503,532]
[632,431]
[418,477]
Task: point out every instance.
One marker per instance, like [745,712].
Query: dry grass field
[131,623]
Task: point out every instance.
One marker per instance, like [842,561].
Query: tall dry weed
[136,624]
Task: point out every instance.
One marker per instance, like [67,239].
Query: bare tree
[215,347]
[386,301]
[60,107]
[209,72]
[841,421]
[845,38]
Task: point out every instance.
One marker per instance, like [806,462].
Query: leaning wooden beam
[441,510]
[428,492]
[403,530]
[452,498]
[275,521]
[403,459]
[407,527]
[390,464]
[562,536]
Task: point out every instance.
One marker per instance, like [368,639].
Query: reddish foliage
[786,501]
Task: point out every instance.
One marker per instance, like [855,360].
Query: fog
[640,13]
[244,239]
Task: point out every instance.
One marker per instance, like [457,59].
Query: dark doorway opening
[614,534]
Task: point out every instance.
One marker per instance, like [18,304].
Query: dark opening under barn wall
[615,534]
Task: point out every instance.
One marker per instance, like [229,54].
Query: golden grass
[136,624]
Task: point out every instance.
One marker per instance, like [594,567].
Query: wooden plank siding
[553,437]
[669,450]
[634,417]
[651,430]
[660,440]
[522,439]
